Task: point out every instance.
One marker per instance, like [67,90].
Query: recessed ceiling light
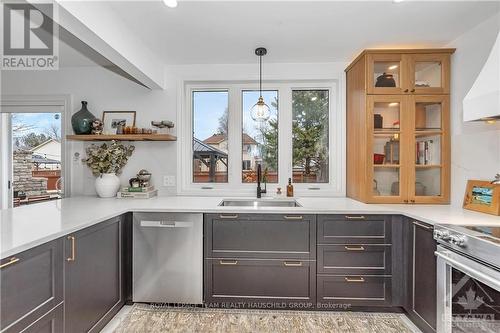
[393,67]
[393,104]
[397,1]
[170,3]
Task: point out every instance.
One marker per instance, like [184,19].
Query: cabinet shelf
[122,137]
[386,166]
[421,133]
[427,166]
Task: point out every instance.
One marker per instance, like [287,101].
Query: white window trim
[234,187]
[32,103]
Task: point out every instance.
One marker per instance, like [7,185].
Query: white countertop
[25,227]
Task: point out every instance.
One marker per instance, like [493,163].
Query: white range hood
[482,102]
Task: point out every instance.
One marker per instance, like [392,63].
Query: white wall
[475,145]
[105,90]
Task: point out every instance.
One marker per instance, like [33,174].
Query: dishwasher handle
[166,224]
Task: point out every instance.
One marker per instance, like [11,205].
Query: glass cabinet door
[430,149]
[429,73]
[385,150]
[385,74]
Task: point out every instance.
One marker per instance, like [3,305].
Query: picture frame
[482,196]
[111,119]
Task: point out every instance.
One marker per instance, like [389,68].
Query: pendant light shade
[260,111]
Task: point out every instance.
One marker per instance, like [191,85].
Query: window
[210,136]
[221,145]
[310,136]
[259,139]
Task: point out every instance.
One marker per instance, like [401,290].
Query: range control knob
[457,240]
[441,235]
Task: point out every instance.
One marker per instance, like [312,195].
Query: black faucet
[259,190]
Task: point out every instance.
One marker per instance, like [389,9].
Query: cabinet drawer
[254,281]
[354,259]
[31,284]
[260,236]
[355,290]
[354,229]
[51,322]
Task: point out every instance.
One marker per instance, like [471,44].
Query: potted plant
[106,162]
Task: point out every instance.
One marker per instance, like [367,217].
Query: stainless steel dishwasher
[168,258]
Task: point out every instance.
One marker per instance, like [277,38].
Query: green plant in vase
[106,162]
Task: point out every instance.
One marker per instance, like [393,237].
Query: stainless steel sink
[259,203]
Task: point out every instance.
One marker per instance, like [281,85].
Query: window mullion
[285,135]
[234,136]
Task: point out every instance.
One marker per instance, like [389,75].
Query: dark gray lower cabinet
[260,260]
[421,276]
[355,261]
[254,281]
[31,286]
[93,276]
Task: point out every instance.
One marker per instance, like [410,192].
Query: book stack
[137,192]
[423,152]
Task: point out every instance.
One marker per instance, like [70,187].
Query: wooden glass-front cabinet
[398,142]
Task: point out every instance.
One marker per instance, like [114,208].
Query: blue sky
[210,106]
[39,122]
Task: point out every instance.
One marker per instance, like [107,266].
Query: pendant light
[260,111]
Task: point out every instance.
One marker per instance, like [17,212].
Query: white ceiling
[212,32]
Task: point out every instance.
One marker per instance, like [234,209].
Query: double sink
[259,203]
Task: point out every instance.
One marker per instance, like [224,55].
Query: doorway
[32,150]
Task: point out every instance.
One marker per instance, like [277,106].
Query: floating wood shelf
[123,137]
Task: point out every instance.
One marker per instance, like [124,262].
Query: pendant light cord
[260,75]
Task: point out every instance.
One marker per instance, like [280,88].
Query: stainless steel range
[468,278]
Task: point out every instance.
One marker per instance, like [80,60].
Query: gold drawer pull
[11,261]
[291,217]
[292,264]
[72,239]
[354,248]
[234,262]
[350,279]
[235,216]
[358,217]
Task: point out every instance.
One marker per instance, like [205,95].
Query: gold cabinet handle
[354,248]
[72,239]
[293,217]
[357,217]
[225,262]
[351,279]
[235,216]
[413,90]
[11,261]
[292,263]
[406,90]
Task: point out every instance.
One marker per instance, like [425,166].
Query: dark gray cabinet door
[93,276]
[255,281]
[351,290]
[260,236]
[422,277]
[355,259]
[354,229]
[31,285]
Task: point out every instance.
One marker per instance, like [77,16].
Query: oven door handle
[471,268]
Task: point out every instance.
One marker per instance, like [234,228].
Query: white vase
[107,185]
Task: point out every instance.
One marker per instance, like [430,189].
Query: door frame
[30,101]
